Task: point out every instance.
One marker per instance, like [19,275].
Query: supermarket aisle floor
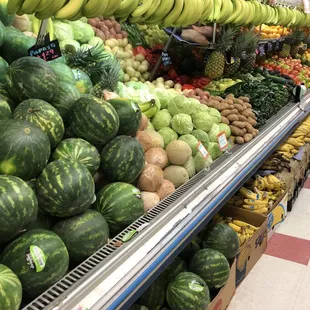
[281,278]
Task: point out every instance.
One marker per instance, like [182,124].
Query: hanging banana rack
[116,275]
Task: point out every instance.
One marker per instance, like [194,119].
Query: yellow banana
[112,7]
[242,239]
[252,207]
[236,228]
[261,210]
[244,224]
[174,13]
[163,10]
[152,9]
[249,194]
[151,112]
[255,202]
[43,5]
[126,8]
[51,9]
[142,8]
[208,10]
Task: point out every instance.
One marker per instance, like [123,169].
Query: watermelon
[5,95]
[18,207]
[31,78]
[11,289]
[39,258]
[63,72]
[5,110]
[3,65]
[129,115]
[83,234]
[120,204]
[65,188]
[178,265]
[24,149]
[154,297]
[188,291]
[190,250]
[67,95]
[122,159]
[6,18]
[78,150]
[82,81]
[16,45]
[94,120]
[42,221]
[43,115]
[212,266]
[223,238]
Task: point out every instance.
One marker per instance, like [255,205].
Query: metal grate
[54,294]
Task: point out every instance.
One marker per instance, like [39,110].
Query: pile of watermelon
[68,165]
[195,277]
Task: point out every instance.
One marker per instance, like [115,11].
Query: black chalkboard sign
[166,59]
[48,51]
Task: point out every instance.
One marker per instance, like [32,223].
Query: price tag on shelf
[47,52]
[269,46]
[277,45]
[261,49]
[202,150]
[222,140]
[166,59]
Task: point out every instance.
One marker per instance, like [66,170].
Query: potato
[246,99]
[237,131]
[230,96]
[255,132]
[222,106]
[242,118]
[225,120]
[249,113]
[249,128]
[251,121]
[218,98]
[239,107]
[239,124]
[239,140]
[212,103]
[233,117]
[247,137]
[248,105]
[229,101]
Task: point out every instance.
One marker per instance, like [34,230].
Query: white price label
[222,140]
[202,150]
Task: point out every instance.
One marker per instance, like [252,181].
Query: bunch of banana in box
[244,230]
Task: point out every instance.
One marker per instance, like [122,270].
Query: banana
[29,6]
[198,8]
[152,9]
[36,25]
[145,106]
[112,7]
[174,13]
[184,17]
[163,10]
[236,12]
[249,194]
[261,210]
[93,8]
[142,8]
[70,9]
[227,10]
[126,8]
[208,10]
[43,5]
[217,5]
[252,207]
[13,6]
[251,13]
[151,112]
[51,9]
[242,239]
[236,228]
[244,224]
[241,17]
[255,202]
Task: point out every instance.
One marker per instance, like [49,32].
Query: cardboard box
[253,249]
[223,298]
[277,215]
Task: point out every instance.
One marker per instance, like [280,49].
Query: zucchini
[276,79]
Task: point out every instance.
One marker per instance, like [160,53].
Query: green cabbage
[82,32]
[191,141]
[226,128]
[190,167]
[150,126]
[215,130]
[161,119]
[95,41]
[168,135]
[214,150]
[182,124]
[203,120]
[216,115]
[165,96]
[202,163]
[62,31]
[63,44]
[179,105]
[201,136]
[196,106]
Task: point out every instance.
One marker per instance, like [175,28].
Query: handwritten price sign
[47,52]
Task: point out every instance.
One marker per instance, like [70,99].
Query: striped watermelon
[129,115]
[67,95]
[154,297]
[18,207]
[94,120]
[11,289]
[78,150]
[63,72]
[83,234]
[188,291]
[122,159]
[31,78]
[178,265]
[190,250]
[39,258]
[5,110]
[43,221]
[24,149]
[223,238]
[212,266]
[5,95]
[65,188]
[82,81]
[45,116]
[120,204]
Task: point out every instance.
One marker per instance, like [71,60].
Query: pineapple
[296,39]
[216,61]
[249,59]
[285,51]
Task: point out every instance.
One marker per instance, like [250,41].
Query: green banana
[142,8]
[174,14]
[70,9]
[112,7]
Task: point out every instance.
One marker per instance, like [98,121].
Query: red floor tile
[307,184]
[289,248]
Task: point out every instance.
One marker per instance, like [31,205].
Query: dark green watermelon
[154,297]
[82,81]
[94,120]
[120,204]
[190,250]
[24,149]
[5,95]
[129,115]
[6,18]
[11,292]
[78,150]
[122,159]
[39,258]
[63,72]
[2,36]
[178,265]
[67,95]
[16,45]
[43,221]
[65,188]
[43,115]
[5,110]
[223,238]
[212,266]
[3,65]
[83,234]
[18,207]
[188,291]
[31,78]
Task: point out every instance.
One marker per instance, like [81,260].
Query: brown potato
[229,101]
[249,113]
[243,98]
[238,124]
[251,121]
[242,118]
[249,127]
[239,140]
[222,106]
[225,120]
[233,117]
[236,131]
[247,137]
[239,107]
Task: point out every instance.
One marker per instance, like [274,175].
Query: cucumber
[276,79]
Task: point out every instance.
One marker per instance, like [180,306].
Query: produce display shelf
[115,276]
[263,41]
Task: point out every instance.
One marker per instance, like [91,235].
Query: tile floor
[281,278]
